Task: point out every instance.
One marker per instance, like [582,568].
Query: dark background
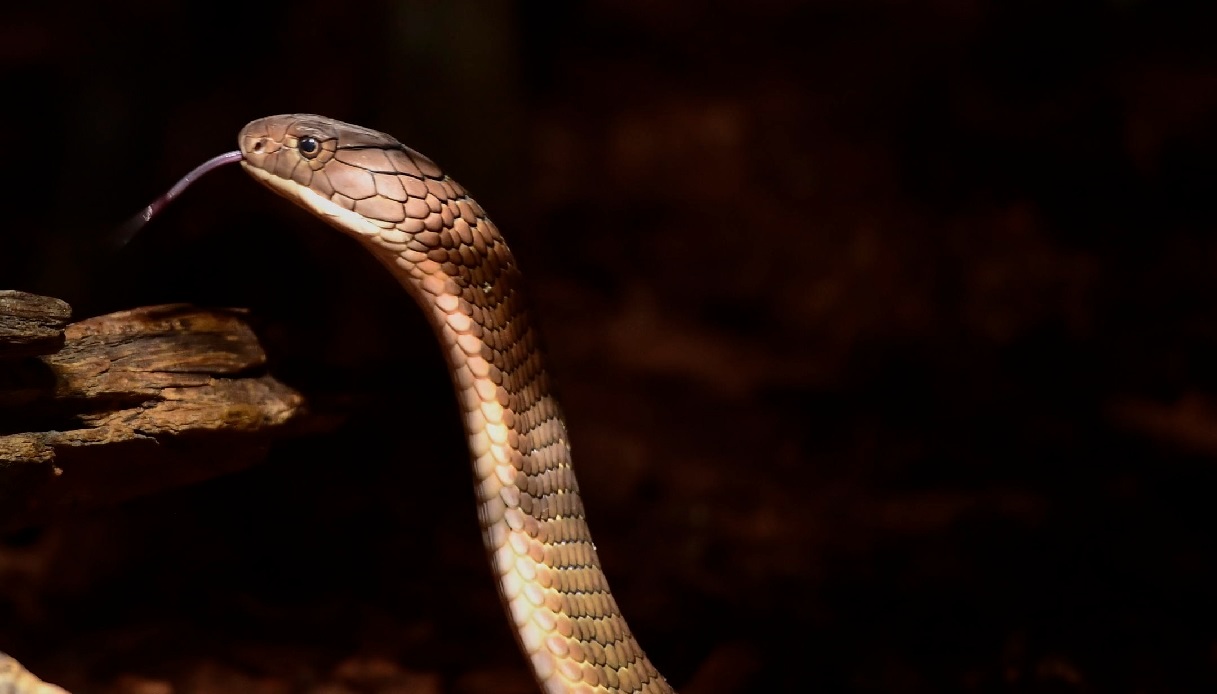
[886,331]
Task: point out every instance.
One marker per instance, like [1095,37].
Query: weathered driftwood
[31,324]
[129,403]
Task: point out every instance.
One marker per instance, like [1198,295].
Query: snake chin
[336,215]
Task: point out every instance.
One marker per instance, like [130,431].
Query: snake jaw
[272,156]
[336,215]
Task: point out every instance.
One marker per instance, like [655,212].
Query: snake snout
[258,149]
[256,144]
[257,140]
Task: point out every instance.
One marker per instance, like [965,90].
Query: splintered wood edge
[136,402]
[31,324]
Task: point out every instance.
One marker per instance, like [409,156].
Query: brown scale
[438,242]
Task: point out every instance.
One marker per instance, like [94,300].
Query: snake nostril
[259,146]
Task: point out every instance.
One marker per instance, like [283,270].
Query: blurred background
[886,332]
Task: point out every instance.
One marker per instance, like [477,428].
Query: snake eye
[308,146]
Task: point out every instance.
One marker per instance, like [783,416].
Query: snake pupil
[308,145]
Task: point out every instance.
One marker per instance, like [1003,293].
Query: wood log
[31,324]
[129,403]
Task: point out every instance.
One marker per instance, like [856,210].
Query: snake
[448,256]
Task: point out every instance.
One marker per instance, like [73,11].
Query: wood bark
[129,403]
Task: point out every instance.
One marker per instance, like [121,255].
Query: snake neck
[533,523]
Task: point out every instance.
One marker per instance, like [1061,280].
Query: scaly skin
[439,244]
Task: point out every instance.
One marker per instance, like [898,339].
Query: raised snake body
[438,242]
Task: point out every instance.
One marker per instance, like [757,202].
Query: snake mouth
[341,218]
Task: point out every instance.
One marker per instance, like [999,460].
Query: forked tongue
[127,231]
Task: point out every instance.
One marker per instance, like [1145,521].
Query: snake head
[282,144]
[361,181]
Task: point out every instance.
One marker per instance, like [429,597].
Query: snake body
[447,254]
